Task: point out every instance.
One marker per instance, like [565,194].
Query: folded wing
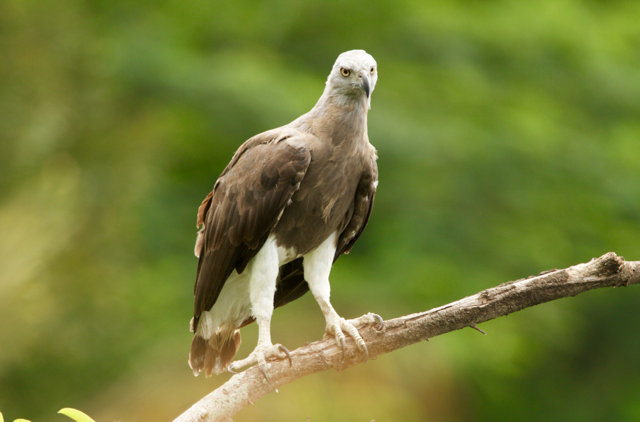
[245,205]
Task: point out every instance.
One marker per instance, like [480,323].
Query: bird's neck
[339,116]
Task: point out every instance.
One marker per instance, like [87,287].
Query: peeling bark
[248,387]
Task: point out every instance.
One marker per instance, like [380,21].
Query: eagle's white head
[354,75]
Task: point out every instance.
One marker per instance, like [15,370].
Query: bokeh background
[509,142]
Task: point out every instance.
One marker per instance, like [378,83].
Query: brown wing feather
[362,206]
[245,205]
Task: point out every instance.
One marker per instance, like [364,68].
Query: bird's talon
[230,369]
[380,321]
[344,346]
[286,352]
[264,372]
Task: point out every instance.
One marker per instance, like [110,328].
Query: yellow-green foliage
[74,414]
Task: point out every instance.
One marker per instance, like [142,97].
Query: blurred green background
[509,142]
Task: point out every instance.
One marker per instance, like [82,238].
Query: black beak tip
[365,86]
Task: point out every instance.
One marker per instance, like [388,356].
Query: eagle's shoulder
[268,142]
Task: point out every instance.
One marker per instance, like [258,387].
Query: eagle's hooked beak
[363,83]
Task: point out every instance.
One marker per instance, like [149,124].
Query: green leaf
[76,415]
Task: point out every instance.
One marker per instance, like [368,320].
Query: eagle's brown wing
[362,206]
[246,203]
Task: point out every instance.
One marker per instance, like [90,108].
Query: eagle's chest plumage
[323,204]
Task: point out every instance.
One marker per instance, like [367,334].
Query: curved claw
[230,369]
[264,372]
[286,352]
[344,347]
[380,321]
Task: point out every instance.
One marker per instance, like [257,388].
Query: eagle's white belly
[231,308]
[234,305]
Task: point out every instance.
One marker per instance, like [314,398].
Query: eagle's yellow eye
[373,69]
[345,72]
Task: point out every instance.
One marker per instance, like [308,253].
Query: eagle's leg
[317,266]
[263,270]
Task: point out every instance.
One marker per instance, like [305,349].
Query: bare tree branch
[246,388]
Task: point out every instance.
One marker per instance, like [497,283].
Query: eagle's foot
[260,355]
[369,319]
[337,327]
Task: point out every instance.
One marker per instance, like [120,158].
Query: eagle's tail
[214,354]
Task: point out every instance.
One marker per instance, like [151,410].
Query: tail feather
[215,354]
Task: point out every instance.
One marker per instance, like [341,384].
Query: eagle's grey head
[354,75]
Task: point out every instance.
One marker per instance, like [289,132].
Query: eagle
[289,204]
